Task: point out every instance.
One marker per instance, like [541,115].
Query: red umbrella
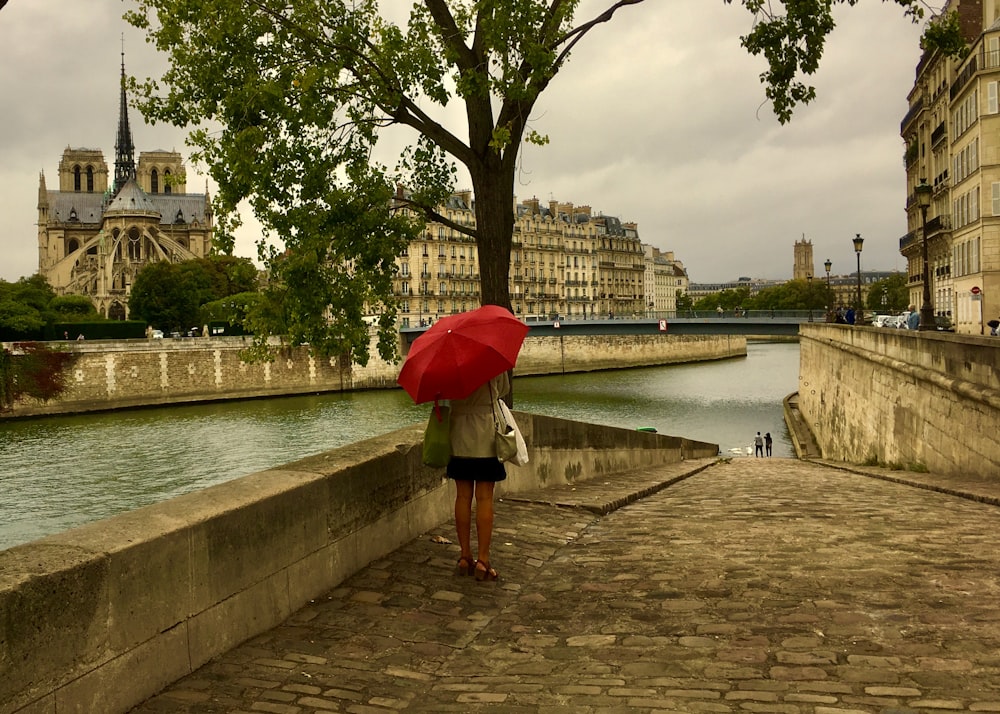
[460,353]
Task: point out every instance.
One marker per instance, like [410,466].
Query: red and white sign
[975,290]
[663,325]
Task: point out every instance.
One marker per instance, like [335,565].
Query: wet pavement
[754,585]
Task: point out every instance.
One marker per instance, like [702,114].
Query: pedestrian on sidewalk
[475,469]
[758,445]
[767,443]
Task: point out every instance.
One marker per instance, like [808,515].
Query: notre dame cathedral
[94,238]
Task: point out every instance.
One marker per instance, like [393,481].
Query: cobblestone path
[758,585]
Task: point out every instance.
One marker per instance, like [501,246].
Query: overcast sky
[657,119]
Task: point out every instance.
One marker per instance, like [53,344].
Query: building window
[154,181]
[90,179]
[76,178]
[166,181]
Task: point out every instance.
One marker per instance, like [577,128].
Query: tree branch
[432,215]
[577,33]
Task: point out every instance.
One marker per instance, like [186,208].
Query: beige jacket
[472,422]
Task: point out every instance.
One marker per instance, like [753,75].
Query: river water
[64,471]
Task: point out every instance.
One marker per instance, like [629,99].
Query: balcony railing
[912,114]
[938,224]
[967,73]
[939,133]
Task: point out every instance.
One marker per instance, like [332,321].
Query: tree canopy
[170,296]
[890,294]
[289,97]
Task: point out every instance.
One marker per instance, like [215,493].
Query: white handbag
[520,456]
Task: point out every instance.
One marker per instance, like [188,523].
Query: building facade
[566,263]
[665,280]
[952,136]
[94,236]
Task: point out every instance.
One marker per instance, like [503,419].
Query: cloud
[659,118]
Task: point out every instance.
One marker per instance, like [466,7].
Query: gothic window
[154,181]
[72,246]
[76,178]
[166,181]
[90,179]
[134,244]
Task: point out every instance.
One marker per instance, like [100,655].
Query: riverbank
[125,374]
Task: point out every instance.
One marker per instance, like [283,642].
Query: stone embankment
[99,618]
[911,400]
[132,373]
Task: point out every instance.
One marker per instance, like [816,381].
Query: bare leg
[484,519]
[463,516]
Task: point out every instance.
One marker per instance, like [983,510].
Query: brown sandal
[486,573]
[466,566]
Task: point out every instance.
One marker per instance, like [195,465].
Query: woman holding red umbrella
[465,358]
[476,470]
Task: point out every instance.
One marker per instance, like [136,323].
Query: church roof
[132,199]
[65,206]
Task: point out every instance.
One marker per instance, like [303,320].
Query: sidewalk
[757,585]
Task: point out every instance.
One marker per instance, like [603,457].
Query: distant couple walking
[760,442]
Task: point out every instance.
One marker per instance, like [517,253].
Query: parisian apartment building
[952,138]
[566,263]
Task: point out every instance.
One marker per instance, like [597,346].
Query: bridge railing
[818,315]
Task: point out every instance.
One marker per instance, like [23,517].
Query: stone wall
[101,617]
[902,398]
[129,373]
[587,353]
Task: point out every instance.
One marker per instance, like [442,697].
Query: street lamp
[829,293]
[859,313]
[923,192]
[809,282]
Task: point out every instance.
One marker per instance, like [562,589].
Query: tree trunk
[493,188]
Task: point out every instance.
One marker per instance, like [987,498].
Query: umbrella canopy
[460,353]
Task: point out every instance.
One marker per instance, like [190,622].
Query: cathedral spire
[124,148]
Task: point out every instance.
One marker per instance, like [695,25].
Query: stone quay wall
[132,373]
[902,398]
[101,617]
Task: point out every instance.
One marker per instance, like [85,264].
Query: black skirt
[469,468]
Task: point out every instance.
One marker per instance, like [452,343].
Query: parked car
[897,322]
[156,334]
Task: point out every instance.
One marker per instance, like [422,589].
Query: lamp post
[809,302]
[923,192]
[859,313]
[829,293]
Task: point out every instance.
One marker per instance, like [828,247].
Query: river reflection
[59,472]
